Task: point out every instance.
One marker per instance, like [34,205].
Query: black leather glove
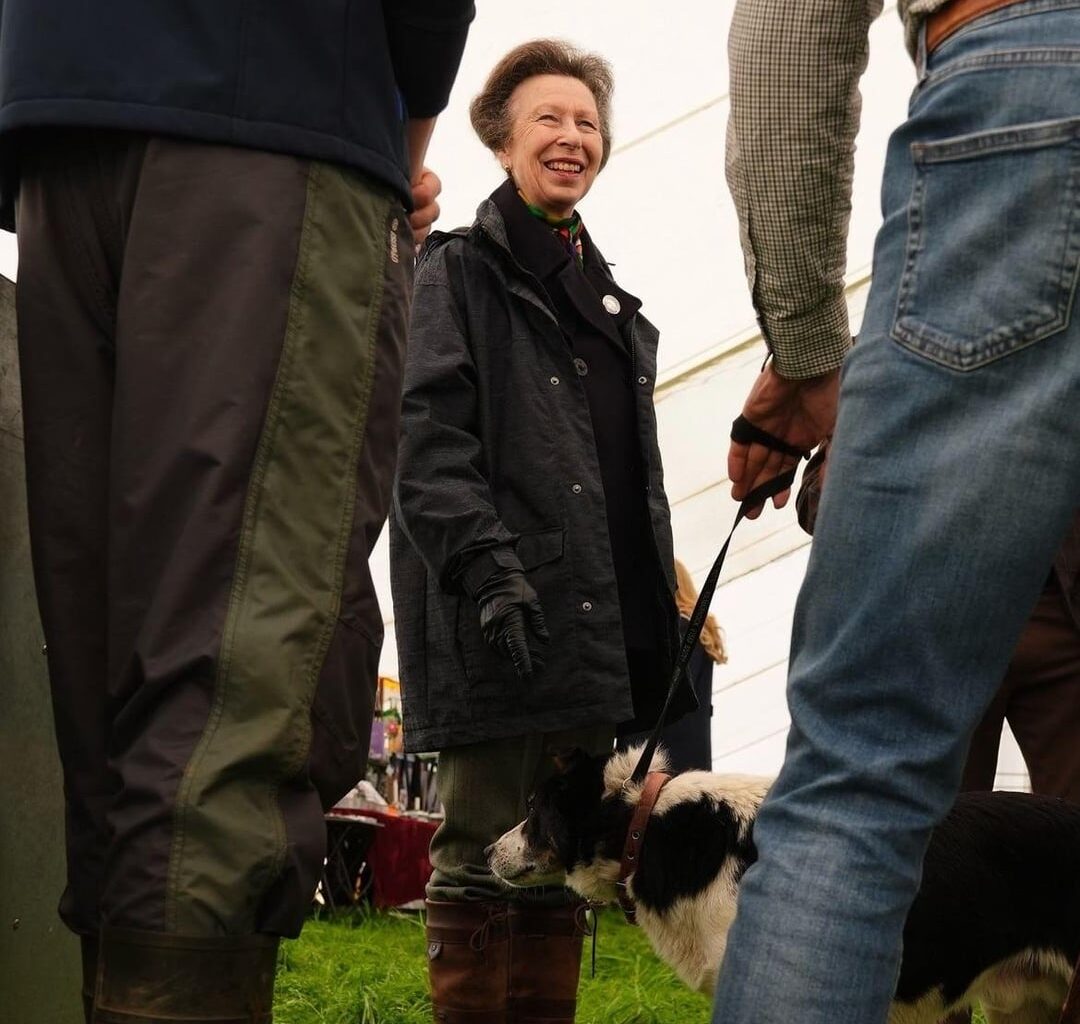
[510,615]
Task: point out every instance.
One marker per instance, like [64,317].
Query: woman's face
[555,148]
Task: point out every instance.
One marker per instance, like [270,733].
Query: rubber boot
[468,962]
[89,949]
[545,962]
[154,978]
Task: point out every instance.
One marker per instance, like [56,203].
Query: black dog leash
[743,432]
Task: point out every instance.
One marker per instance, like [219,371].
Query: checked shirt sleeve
[795,105]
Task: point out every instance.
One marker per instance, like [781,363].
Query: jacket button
[586,606]
[581,366]
[576,488]
[643,380]
[611,304]
[554,380]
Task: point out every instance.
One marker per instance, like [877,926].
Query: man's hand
[800,412]
[509,610]
[425,191]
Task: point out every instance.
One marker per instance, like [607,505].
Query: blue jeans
[953,475]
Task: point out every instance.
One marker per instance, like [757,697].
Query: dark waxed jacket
[326,79]
[498,460]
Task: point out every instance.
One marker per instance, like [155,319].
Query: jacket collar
[533,245]
[490,223]
[502,218]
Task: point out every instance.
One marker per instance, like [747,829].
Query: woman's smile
[555,146]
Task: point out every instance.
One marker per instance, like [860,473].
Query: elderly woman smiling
[530,542]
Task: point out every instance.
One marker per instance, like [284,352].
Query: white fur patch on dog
[1025,989]
[621,766]
[691,934]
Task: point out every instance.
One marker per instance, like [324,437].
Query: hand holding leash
[509,611]
[781,421]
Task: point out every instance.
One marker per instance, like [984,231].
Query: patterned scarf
[567,229]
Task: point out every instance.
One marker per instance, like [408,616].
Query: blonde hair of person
[712,639]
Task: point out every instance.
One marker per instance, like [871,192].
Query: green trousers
[211,341]
[484,788]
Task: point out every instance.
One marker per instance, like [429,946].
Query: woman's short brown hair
[490,110]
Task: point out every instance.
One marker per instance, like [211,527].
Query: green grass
[370,968]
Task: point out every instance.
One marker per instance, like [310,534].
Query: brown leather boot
[545,962]
[468,962]
[89,950]
[152,977]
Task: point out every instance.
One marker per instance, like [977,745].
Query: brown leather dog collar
[635,838]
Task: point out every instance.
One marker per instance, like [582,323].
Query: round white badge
[611,304]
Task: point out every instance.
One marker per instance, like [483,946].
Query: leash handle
[745,432]
[758,496]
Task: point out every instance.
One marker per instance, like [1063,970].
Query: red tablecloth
[398,856]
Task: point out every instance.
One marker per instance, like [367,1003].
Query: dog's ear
[567,760]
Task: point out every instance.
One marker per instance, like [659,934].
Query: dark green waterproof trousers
[211,342]
[485,789]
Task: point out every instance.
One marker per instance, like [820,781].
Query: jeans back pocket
[993,243]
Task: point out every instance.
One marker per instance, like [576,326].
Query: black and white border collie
[996,920]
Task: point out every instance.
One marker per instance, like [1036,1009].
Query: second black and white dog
[996,920]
